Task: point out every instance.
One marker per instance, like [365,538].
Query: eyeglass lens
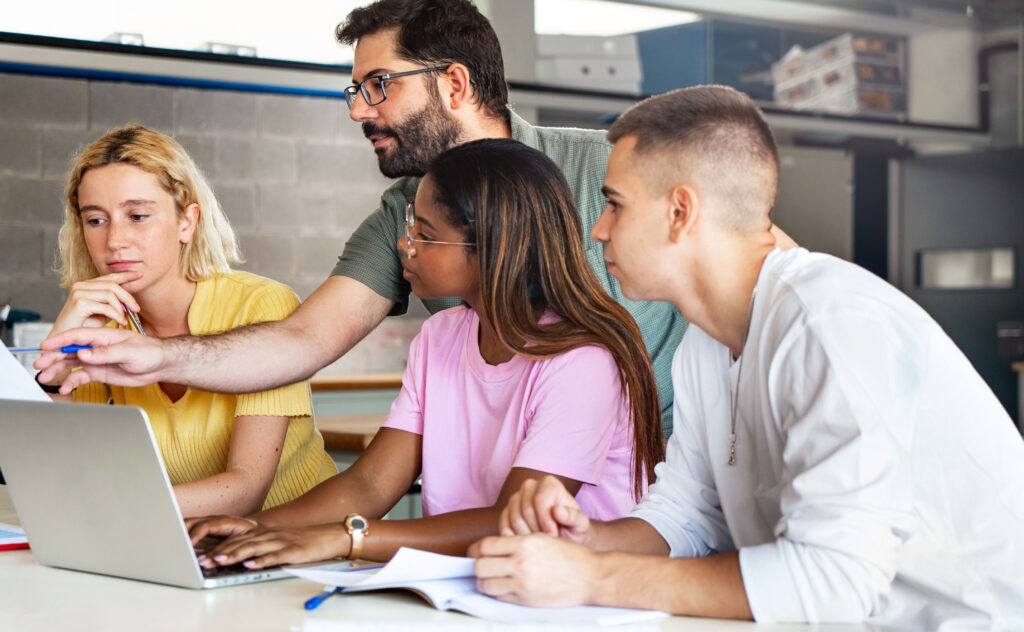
[372,90]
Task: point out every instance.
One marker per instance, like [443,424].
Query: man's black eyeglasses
[372,88]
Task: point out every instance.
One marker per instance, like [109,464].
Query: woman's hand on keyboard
[260,547]
[217,526]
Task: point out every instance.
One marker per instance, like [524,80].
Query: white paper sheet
[16,382]
[407,566]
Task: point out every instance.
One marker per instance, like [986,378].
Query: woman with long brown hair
[538,372]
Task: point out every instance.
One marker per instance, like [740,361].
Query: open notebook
[448,583]
[12,537]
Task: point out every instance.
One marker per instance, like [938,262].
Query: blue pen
[67,349]
[314,602]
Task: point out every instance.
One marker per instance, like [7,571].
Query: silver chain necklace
[739,373]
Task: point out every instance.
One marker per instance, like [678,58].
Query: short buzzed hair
[714,136]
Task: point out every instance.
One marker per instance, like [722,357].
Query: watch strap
[47,388]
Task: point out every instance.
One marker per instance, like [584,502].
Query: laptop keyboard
[228,571]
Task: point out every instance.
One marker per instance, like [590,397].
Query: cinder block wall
[293,173]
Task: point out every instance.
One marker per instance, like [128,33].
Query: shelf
[115,62]
[596,105]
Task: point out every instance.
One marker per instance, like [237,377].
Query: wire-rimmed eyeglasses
[372,88]
[410,221]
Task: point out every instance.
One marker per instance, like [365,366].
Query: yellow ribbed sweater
[194,432]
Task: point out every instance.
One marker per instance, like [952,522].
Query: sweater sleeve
[92,393]
[274,301]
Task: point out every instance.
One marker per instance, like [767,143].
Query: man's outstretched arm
[253,358]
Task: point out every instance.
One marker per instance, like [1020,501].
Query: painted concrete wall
[294,175]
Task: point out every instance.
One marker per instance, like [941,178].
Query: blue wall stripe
[109,75]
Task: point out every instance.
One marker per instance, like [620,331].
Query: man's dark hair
[437,32]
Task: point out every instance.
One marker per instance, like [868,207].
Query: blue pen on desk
[67,349]
[314,602]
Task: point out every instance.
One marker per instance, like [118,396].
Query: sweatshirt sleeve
[846,501]
[683,505]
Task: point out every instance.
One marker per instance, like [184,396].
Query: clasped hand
[539,559]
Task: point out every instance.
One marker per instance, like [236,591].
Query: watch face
[357,523]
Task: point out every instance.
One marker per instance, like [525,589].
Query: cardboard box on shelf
[848,74]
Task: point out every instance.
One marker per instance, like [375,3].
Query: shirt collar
[523,131]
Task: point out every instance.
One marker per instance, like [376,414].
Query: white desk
[35,598]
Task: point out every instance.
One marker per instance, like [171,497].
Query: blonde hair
[213,247]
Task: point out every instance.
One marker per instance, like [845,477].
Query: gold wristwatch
[358,528]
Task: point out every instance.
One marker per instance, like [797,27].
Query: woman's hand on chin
[95,302]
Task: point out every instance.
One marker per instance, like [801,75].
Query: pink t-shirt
[564,415]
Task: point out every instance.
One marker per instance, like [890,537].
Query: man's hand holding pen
[117,357]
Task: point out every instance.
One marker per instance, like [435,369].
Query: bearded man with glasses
[427,76]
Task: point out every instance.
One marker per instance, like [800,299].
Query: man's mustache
[369,129]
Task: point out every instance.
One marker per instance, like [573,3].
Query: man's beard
[418,140]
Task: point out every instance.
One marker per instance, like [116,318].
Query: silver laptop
[91,492]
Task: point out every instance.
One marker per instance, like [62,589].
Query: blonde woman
[144,239]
